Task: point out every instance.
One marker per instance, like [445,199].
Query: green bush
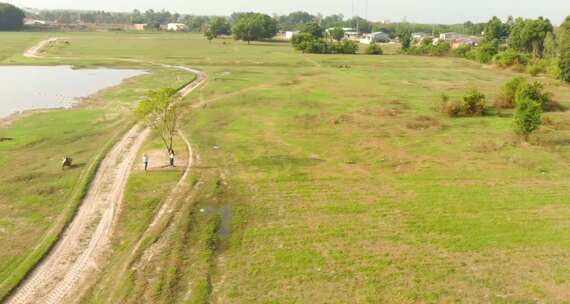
[527,117]
[374,49]
[301,40]
[308,44]
[507,100]
[441,49]
[474,103]
[462,51]
[510,57]
[535,92]
[565,66]
[485,52]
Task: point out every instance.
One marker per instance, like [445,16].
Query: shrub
[507,100]
[485,52]
[441,49]
[374,49]
[453,108]
[475,103]
[462,51]
[510,57]
[309,44]
[565,66]
[301,40]
[535,92]
[527,117]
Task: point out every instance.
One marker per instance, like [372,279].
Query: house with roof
[450,36]
[374,38]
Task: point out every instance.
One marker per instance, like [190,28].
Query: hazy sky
[441,11]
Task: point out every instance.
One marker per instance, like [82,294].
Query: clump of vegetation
[527,117]
[507,100]
[428,48]
[474,103]
[254,27]
[565,66]
[374,49]
[485,52]
[311,41]
[535,92]
[510,57]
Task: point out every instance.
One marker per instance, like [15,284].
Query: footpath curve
[74,256]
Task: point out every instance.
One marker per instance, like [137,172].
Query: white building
[176,27]
[289,34]
[450,36]
[375,37]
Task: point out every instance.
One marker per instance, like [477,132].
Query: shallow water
[48,87]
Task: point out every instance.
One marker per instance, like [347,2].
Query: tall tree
[219,26]
[253,26]
[313,29]
[496,30]
[159,112]
[528,35]
[11,17]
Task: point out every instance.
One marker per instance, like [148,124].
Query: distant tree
[405,39]
[209,35]
[337,33]
[313,29]
[564,35]
[219,26]
[253,26]
[11,17]
[360,24]
[565,65]
[528,35]
[496,30]
[550,46]
[333,21]
[159,112]
[527,117]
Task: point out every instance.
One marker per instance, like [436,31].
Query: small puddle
[225,214]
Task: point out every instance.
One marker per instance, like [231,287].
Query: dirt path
[87,237]
[35,51]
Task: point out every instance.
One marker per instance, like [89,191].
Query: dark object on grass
[5,139]
[67,162]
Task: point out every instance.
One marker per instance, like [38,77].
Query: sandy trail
[35,51]
[74,256]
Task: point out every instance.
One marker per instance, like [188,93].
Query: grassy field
[331,179]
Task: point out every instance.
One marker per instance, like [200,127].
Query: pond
[48,87]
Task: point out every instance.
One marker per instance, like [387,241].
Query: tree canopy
[253,27]
[11,17]
[159,112]
[496,30]
[528,35]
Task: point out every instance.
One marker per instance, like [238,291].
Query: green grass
[338,189]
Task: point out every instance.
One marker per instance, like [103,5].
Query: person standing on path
[171,156]
[145,162]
